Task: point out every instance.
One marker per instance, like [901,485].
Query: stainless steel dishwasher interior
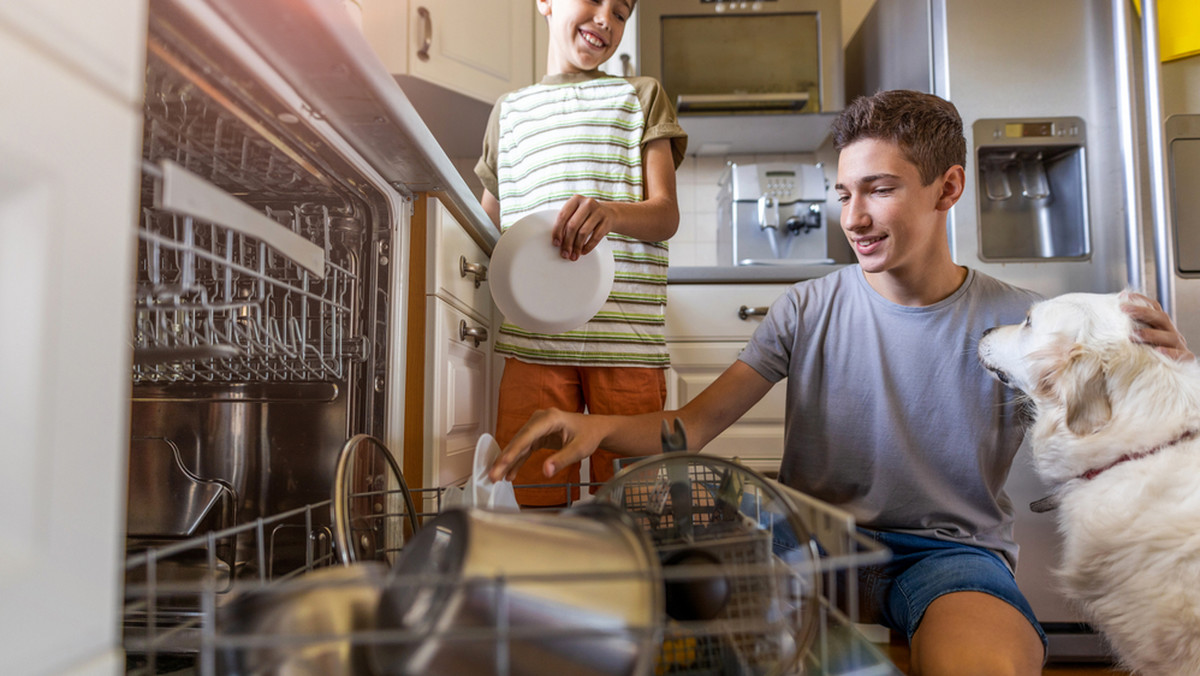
[260,331]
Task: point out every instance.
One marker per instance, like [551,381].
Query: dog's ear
[1081,384]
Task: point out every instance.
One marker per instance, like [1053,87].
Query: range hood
[756,133]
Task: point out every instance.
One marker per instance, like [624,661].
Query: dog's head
[1075,357]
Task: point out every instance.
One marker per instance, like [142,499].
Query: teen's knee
[975,634]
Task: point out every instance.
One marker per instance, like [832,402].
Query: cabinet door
[756,438]
[103,41]
[457,408]
[68,204]
[481,48]
[456,265]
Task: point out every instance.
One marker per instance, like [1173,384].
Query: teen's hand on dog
[1155,328]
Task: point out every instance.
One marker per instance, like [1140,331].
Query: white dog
[1117,431]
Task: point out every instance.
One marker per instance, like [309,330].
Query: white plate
[539,290]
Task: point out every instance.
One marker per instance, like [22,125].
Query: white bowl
[539,290]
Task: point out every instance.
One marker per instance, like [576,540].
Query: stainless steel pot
[312,624]
[478,592]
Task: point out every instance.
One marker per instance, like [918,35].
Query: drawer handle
[477,269]
[745,312]
[478,333]
[427,40]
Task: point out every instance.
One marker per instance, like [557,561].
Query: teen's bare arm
[491,206]
[578,436]
[584,221]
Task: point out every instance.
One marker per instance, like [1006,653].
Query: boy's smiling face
[889,217]
[583,33]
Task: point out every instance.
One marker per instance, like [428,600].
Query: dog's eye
[1028,321]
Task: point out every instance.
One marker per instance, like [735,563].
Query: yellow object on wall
[1178,28]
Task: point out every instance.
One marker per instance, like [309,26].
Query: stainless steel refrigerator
[1069,188]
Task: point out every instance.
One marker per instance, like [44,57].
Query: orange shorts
[606,390]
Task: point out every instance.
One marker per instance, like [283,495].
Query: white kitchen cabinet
[455,346]
[707,327]
[457,405]
[480,48]
[68,199]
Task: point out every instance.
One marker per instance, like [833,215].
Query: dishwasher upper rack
[837,648]
[218,299]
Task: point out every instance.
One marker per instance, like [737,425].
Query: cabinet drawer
[457,267]
[458,404]
[711,311]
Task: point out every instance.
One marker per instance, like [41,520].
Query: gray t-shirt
[889,414]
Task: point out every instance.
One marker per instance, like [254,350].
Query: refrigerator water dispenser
[1032,188]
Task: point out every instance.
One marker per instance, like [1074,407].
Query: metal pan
[479,592]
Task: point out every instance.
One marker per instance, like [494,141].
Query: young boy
[603,150]
[890,415]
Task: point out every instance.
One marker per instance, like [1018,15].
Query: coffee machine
[772,214]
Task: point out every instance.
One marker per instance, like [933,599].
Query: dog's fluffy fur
[1131,556]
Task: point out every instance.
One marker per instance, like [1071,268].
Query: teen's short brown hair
[927,128]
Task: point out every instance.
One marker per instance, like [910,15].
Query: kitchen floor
[897,652]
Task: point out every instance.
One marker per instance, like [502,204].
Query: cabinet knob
[479,270]
[745,312]
[477,333]
[427,40]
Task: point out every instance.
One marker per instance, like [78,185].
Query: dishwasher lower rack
[207,638]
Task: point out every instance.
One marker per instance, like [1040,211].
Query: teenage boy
[890,416]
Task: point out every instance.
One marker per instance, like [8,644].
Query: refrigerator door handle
[1130,150]
[1163,258]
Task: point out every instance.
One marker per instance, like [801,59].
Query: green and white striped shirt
[583,134]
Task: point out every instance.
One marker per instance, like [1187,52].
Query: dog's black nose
[987,331]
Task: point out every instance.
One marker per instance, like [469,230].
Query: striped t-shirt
[583,134]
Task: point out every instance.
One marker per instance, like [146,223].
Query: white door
[71,116]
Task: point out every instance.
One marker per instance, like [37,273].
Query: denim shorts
[921,569]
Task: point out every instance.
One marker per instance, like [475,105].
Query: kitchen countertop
[747,274]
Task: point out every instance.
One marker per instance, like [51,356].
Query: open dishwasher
[279,165]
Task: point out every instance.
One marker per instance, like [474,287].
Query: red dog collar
[1093,473]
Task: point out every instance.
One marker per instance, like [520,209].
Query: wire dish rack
[319,618]
[249,256]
